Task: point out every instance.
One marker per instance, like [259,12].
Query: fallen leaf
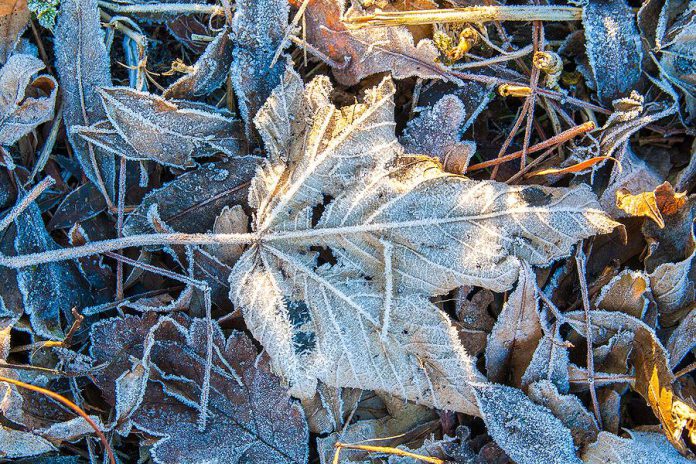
[549,362]
[651,204]
[230,221]
[527,432]
[516,332]
[193,201]
[14,17]
[168,132]
[404,423]
[356,54]
[435,132]
[682,340]
[613,47]
[641,448]
[393,233]
[568,409]
[252,418]
[83,66]
[209,72]
[49,291]
[24,102]
[259,27]
[635,175]
[628,292]
[653,380]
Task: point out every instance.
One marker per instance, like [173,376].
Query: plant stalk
[473,14]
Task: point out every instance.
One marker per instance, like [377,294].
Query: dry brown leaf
[516,333]
[653,380]
[662,200]
[14,16]
[356,54]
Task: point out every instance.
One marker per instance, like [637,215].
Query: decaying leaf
[330,407]
[24,102]
[18,444]
[395,231]
[259,27]
[613,47]
[549,362]
[516,332]
[49,291]
[628,292]
[635,175]
[13,21]
[209,72]
[654,381]
[651,204]
[436,132]
[143,126]
[682,340]
[528,433]
[641,448]
[193,200]
[568,409]
[356,54]
[83,66]
[253,418]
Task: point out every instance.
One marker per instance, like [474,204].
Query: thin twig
[555,140]
[580,261]
[66,402]
[385,450]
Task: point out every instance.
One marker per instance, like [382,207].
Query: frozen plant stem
[473,14]
[580,261]
[173,9]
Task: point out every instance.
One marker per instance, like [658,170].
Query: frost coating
[527,432]
[83,66]
[395,230]
[613,47]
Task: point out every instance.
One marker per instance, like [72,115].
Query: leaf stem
[473,14]
[105,246]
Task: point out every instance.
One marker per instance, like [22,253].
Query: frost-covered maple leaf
[352,238]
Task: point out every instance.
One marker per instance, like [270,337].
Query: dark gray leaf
[252,419]
[83,66]
[259,27]
[81,204]
[49,291]
[209,72]
[527,432]
[192,201]
[613,47]
[24,103]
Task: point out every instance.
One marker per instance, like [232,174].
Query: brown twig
[555,140]
[66,402]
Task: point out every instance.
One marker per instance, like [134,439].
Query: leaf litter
[375,231]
